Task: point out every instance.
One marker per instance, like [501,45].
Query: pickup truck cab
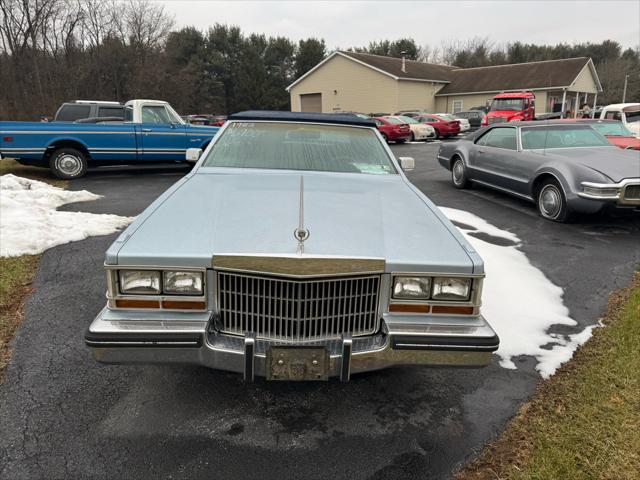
[83,109]
[627,113]
[511,107]
[155,133]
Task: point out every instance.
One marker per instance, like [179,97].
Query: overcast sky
[346,23]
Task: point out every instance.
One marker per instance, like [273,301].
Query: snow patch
[518,300]
[30,223]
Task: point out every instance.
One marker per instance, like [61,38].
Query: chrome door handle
[146,129]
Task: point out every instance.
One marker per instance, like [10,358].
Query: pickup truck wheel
[68,163]
[552,203]
[459,174]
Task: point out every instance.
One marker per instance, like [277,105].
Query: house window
[457,106]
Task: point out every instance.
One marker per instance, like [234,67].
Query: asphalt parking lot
[64,416]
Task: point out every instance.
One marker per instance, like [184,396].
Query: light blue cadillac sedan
[296,249]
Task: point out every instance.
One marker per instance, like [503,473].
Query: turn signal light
[183,305]
[453,309]
[131,303]
[409,308]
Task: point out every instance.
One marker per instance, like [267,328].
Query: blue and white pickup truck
[152,132]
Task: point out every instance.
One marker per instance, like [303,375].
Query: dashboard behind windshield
[300,146]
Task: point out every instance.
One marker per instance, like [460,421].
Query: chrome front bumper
[189,339]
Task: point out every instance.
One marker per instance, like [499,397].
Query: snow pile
[30,223]
[519,302]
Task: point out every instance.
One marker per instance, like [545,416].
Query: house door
[311,102]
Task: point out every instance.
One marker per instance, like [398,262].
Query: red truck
[510,107]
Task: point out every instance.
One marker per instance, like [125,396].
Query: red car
[392,129]
[443,128]
[615,132]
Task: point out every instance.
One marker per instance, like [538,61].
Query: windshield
[513,104]
[632,116]
[408,119]
[562,136]
[614,128]
[300,146]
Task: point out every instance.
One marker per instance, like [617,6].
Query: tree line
[53,51]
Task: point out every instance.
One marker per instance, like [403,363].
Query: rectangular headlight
[139,282]
[451,288]
[411,287]
[182,283]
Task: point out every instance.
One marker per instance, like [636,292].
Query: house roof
[413,70]
[517,76]
[546,74]
[390,66]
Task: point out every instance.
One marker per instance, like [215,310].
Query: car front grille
[632,192]
[298,310]
[493,120]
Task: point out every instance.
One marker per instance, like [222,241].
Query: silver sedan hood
[613,162]
[353,215]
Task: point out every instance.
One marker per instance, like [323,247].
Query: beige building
[360,82]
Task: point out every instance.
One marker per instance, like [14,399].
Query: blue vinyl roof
[335,118]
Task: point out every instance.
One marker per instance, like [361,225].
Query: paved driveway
[64,416]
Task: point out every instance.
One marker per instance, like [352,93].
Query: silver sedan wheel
[458,172]
[69,164]
[550,201]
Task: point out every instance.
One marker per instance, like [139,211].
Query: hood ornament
[301,233]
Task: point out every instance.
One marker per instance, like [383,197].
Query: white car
[627,113]
[465,126]
[419,131]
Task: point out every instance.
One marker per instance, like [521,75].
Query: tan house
[361,82]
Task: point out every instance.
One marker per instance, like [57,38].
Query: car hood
[624,142]
[353,215]
[613,162]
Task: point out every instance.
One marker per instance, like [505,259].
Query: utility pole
[624,90]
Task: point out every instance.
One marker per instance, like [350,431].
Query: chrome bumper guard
[404,340]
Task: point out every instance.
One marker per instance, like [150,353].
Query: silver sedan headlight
[182,283]
[411,287]
[451,288]
[140,282]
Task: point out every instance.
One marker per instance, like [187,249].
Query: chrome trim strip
[298,266]
[249,357]
[502,189]
[63,132]
[436,346]
[345,362]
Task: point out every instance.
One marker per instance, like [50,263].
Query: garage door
[311,102]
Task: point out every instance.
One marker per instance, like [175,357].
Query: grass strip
[583,422]
[17,273]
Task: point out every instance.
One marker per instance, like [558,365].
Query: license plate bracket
[297,363]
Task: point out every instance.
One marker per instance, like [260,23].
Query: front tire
[459,176]
[68,163]
[552,203]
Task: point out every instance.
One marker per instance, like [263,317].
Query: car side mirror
[193,154]
[407,163]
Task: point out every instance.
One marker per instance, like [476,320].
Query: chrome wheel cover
[550,201]
[69,164]
[458,172]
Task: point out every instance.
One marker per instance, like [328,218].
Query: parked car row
[564,167]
